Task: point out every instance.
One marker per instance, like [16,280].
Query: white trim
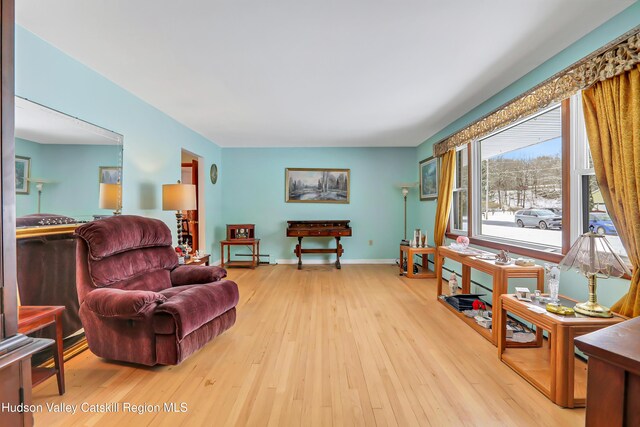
[342,261]
[215,263]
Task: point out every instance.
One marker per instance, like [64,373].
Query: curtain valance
[611,60]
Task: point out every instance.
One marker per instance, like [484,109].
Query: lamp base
[592,309]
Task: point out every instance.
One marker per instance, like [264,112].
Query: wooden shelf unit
[500,273]
[551,366]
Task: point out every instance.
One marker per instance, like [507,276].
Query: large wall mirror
[60,163]
[66,171]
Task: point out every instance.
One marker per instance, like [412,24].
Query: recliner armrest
[122,304]
[196,274]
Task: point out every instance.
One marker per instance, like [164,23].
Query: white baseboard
[217,262]
[342,261]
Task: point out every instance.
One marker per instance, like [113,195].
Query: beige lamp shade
[110,196]
[178,197]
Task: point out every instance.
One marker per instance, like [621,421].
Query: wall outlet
[370,242]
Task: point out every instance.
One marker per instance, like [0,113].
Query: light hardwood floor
[357,346]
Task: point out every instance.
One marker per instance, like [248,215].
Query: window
[520,176]
[532,188]
[460,207]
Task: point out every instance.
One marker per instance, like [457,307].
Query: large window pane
[460,205]
[520,176]
[594,214]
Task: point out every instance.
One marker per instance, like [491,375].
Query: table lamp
[592,256]
[111,197]
[405,186]
[179,197]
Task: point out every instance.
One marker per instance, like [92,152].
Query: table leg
[58,355]
[258,255]
[401,261]
[228,253]
[338,252]
[502,329]
[466,279]
[222,255]
[438,267]
[253,255]
[410,264]
[299,253]
[499,287]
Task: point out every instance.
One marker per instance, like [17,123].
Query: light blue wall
[571,284]
[70,170]
[152,140]
[253,192]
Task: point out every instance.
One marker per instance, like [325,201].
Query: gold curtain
[612,115]
[445,194]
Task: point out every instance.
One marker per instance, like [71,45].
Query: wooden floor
[357,346]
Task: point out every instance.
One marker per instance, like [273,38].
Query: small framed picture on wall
[429,175]
[23,170]
[110,174]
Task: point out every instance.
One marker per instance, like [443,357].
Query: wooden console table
[328,228]
[410,252]
[255,252]
[34,318]
[501,275]
[553,368]
[613,382]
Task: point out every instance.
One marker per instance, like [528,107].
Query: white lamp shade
[110,196]
[178,197]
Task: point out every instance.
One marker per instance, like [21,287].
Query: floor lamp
[405,192]
[179,197]
[39,185]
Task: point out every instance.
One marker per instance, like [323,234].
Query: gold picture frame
[317,185]
[23,173]
[429,173]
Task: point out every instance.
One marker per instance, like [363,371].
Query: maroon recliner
[136,304]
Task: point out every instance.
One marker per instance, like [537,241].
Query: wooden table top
[618,344]
[33,315]
[516,306]
[485,265]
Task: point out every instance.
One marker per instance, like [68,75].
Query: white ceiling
[43,125]
[301,73]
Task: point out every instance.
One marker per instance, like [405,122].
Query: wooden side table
[255,252]
[410,252]
[203,260]
[34,318]
[552,368]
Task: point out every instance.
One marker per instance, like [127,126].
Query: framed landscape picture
[23,169]
[304,185]
[110,174]
[429,175]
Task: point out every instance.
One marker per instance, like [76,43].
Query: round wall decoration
[213,173]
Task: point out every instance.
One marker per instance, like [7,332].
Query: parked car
[541,218]
[602,224]
[557,211]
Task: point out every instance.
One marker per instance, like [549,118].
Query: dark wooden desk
[255,252]
[613,383]
[326,228]
[34,318]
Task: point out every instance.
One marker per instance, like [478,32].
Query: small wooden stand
[34,318]
[410,252]
[255,252]
[203,260]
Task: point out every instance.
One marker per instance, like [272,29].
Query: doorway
[193,220]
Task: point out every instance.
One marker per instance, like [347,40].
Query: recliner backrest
[129,252]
